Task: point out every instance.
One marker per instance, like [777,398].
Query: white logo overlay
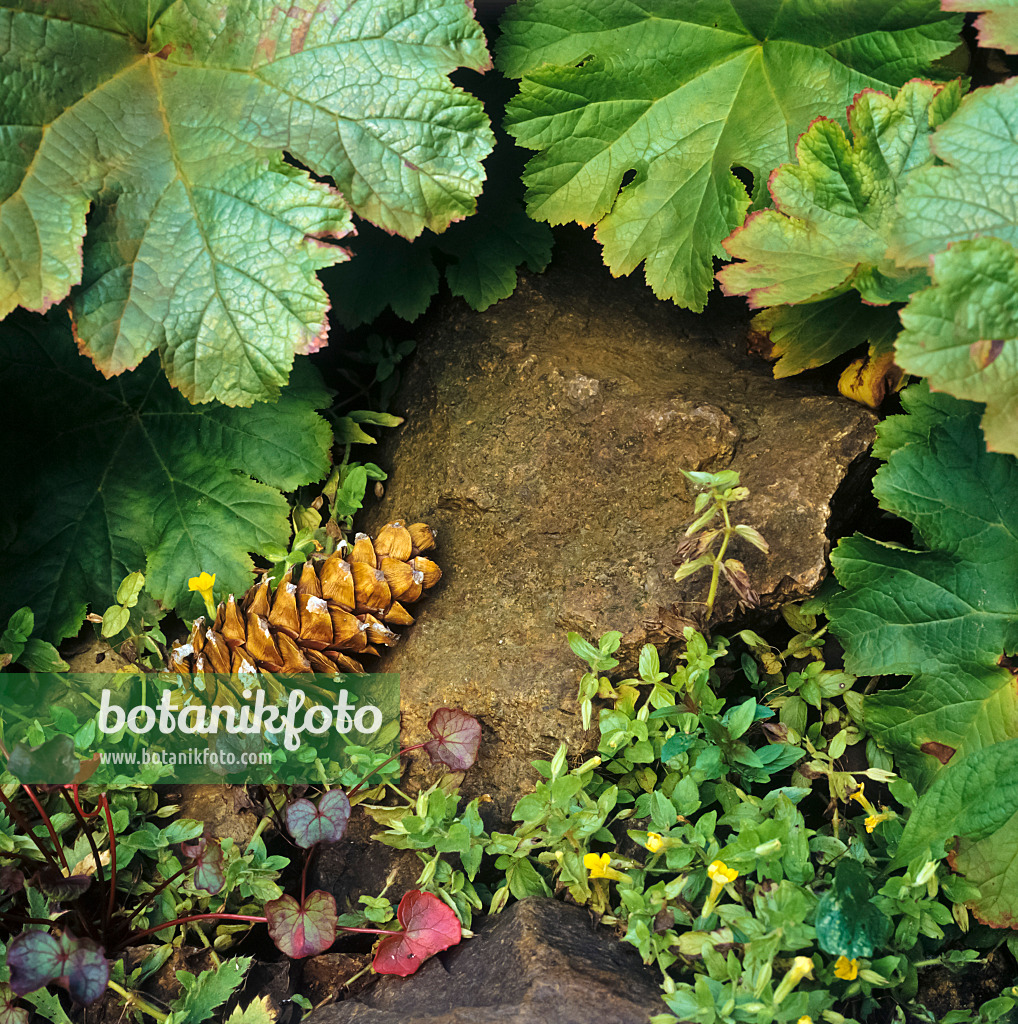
[203,720]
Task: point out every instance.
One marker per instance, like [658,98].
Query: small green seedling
[696,550]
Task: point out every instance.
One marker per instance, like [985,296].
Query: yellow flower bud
[802,967]
[655,842]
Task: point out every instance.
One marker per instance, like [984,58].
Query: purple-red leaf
[306,929]
[429,926]
[37,958]
[86,973]
[457,739]
[325,823]
[209,867]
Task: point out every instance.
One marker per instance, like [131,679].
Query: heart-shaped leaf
[325,823]
[9,1013]
[429,926]
[37,958]
[457,739]
[302,929]
[86,973]
[209,867]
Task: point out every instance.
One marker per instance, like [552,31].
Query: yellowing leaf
[869,379]
[834,208]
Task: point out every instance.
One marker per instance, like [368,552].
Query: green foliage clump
[687,834]
[682,94]
[202,243]
[927,175]
[945,614]
[132,477]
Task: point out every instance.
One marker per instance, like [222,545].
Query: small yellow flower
[875,819]
[847,970]
[859,796]
[802,967]
[655,842]
[720,874]
[599,866]
[203,583]
[804,1020]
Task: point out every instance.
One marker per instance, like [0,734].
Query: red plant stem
[399,753]
[367,931]
[49,826]
[83,821]
[23,824]
[199,917]
[77,804]
[304,874]
[105,805]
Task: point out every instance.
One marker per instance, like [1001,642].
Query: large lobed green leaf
[680,93]
[971,193]
[103,478]
[164,122]
[945,614]
[975,799]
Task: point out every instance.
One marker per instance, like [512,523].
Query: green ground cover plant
[687,833]
[164,260]
[74,895]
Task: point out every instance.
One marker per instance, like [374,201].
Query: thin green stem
[718,559]
[135,1001]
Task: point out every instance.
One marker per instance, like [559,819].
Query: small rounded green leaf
[115,618]
[129,591]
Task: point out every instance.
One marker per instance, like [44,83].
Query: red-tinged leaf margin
[429,926]
[302,929]
[997,25]
[457,739]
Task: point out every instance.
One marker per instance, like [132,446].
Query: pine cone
[337,611]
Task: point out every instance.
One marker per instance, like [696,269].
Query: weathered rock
[544,441]
[540,961]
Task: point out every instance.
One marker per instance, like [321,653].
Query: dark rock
[544,440]
[324,976]
[540,961]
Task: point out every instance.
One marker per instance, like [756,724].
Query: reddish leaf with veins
[429,926]
[209,867]
[457,739]
[300,930]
